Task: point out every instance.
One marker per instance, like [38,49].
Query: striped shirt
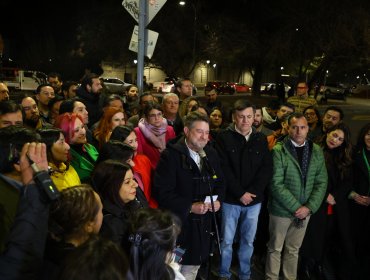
[302,102]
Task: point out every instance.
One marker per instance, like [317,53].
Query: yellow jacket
[64,178]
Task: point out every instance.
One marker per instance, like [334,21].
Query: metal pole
[142,44]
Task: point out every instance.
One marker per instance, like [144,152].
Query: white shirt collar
[194,155]
[297,145]
[246,136]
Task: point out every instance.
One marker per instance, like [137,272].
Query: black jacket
[91,102]
[116,226]
[178,183]
[23,256]
[247,165]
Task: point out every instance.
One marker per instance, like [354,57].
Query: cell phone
[178,253]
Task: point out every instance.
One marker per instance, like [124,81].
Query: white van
[17,79]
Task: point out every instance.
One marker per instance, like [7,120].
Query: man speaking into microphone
[187,176]
[247,165]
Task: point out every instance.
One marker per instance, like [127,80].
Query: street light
[194,6]
[208,62]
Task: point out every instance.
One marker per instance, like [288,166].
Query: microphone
[208,167]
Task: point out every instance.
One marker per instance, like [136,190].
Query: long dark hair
[49,136]
[342,156]
[96,259]
[153,237]
[107,180]
[361,137]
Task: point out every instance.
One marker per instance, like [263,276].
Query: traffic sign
[151,41]
[132,6]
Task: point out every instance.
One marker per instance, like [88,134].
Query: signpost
[143,11]
[150,43]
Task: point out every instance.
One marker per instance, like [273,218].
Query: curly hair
[69,215]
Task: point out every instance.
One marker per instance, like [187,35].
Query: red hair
[66,122]
[104,129]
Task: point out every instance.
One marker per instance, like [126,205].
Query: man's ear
[89,227]
[88,88]
[186,131]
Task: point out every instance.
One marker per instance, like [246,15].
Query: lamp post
[194,7]
[208,62]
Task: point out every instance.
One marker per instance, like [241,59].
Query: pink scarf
[156,135]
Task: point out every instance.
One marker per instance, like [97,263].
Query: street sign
[151,42]
[132,6]
[154,7]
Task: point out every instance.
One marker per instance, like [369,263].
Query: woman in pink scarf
[153,133]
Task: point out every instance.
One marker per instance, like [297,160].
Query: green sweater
[287,190]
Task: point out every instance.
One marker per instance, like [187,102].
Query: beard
[257,124]
[32,122]
[132,98]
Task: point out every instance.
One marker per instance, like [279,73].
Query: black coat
[91,102]
[178,183]
[360,215]
[325,232]
[247,165]
[23,257]
[116,226]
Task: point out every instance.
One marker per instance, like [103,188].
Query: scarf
[156,135]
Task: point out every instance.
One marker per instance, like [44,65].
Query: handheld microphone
[208,167]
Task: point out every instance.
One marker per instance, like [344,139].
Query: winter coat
[64,177]
[288,191]
[23,257]
[178,183]
[247,166]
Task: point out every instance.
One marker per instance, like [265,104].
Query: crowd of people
[151,189]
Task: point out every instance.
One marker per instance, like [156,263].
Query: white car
[115,85]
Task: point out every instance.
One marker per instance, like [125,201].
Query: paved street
[356,110]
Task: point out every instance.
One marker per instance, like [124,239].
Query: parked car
[115,85]
[270,88]
[360,89]
[334,91]
[221,87]
[241,87]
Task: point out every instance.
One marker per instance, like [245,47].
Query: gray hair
[168,95]
[193,117]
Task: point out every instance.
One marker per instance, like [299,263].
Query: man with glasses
[302,100]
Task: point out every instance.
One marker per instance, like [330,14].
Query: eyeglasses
[301,87]
[310,114]
[154,116]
